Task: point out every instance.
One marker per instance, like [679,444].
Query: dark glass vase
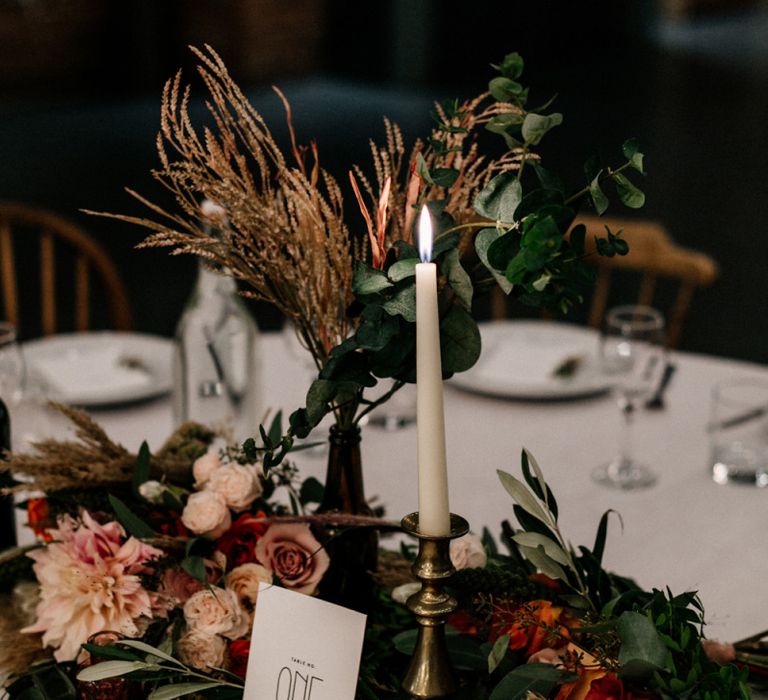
[7,518]
[353,551]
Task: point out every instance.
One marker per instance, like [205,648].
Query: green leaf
[505,89]
[276,428]
[111,652]
[537,200]
[551,548]
[405,642]
[402,269]
[598,196]
[498,652]
[403,303]
[423,169]
[483,242]
[536,125]
[500,197]
[110,669]
[458,278]
[178,690]
[366,280]
[311,491]
[631,150]
[642,650]
[530,678]
[543,562]
[460,342]
[132,523]
[444,177]
[195,567]
[149,649]
[628,194]
[512,66]
[602,531]
[548,180]
[523,497]
[141,471]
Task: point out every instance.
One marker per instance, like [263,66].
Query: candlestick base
[430,674]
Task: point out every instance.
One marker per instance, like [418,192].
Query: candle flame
[425,235]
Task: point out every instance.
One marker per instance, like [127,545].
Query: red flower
[39,518]
[238,656]
[609,687]
[238,543]
[170,524]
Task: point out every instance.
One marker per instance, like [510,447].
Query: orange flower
[589,672]
[530,627]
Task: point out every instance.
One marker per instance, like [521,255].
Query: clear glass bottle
[217,363]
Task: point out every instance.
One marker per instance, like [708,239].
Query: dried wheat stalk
[93,460]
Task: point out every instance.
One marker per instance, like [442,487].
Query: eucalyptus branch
[371,405]
[608,175]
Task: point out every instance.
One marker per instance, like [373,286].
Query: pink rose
[204,467]
[206,514]
[468,553]
[178,585]
[238,484]
[216,611]
[203,651]
[292,554]
[244,582]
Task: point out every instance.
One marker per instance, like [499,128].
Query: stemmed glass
[632,355]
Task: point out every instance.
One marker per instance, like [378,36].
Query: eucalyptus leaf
[523,497]
[536,125]
[511,66]
[402,269]
[551,548]
[498,652]
[631,150]
[642,650]
[110,669]
[540,679]
[505,89]
[458,278]
[629,195]
[367,280]
[500,197]
[178,690]
[483,242]
[598,196]
[403,303]
[460,342]
[444,177]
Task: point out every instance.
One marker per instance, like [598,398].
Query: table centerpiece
[174,544]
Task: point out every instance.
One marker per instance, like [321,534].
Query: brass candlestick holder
[430,674]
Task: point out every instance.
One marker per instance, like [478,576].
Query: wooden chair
[653,255]
[27,233]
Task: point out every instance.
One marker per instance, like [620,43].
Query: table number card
[303,648]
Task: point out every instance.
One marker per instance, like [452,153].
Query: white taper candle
[434,514]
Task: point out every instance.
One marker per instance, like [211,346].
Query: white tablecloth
[686,532]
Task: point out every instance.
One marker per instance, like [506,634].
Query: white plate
[101,368]
[519,360]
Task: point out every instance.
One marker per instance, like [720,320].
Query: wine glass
[632,355]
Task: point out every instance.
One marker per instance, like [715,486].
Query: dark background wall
[80,84]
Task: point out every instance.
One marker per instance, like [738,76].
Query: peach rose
[206,514]
[204,467]
[216,611]
[238,484]
[468,553]
[244,582]
[719,652]
[292,554]
[203,651]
